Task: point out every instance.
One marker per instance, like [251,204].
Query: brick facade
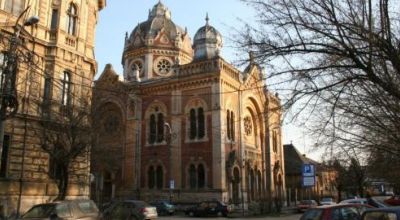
[193,96]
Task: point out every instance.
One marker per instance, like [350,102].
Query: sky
[121,16]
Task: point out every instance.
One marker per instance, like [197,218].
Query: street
[283,217]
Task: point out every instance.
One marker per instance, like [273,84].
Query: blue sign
[308,172]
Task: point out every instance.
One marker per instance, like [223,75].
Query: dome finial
[207,19]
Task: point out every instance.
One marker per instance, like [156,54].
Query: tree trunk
[62,183]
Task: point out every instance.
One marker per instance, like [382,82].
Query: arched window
[72,17]
[201,123]
[156,127]
[66,89]
[15,7]
[192,176]
[201,176]
[159,177]
[150,175]
[160,128]
[193,127]
[230,122]
[232,126]
[197,123]
[153,129]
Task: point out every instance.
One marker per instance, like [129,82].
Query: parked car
[130,210]
[66,209]
[306,204]
[394,200]
[164,207]
[209,208]
[354,201]
[392,213]
[327,201]
[338,211]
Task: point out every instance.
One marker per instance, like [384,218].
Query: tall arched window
[159,177]
[153,129]
[192,176]
[150,175]
[156,127]
[72,17]
[193,127]
[66,88]
[201,123]
[232,126]
[160,127]
[197,123]
[230,123]
[15,7]
[201,176]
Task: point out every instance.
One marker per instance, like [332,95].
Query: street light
[168,138]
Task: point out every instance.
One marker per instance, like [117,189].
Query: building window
[193,127]
[197,123]
[4,156]
[160,127]
[274,141]
[66,89]
[47,89]
[151,177]
[156,127]
[72,18]
[230,123]
[54,19]
[197,177]
[15,7]
[153,129]
[159,177]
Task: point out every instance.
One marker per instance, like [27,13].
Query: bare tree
[67,138]
[336,60]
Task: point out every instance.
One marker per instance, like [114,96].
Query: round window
[163,66]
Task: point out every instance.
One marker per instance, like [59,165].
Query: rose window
[163,66]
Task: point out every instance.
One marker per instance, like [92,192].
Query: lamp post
[168,138]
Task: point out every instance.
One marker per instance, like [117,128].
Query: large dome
[207,42]
[159,30]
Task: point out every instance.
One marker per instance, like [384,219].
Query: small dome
[160,10]
[159,21]
[207,42]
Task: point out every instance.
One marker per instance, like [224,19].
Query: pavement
[269,217]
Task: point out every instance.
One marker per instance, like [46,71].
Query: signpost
[308,172]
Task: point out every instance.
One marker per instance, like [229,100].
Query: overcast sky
[121,16]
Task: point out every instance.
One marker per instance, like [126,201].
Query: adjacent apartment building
[183,123]
[54,68]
